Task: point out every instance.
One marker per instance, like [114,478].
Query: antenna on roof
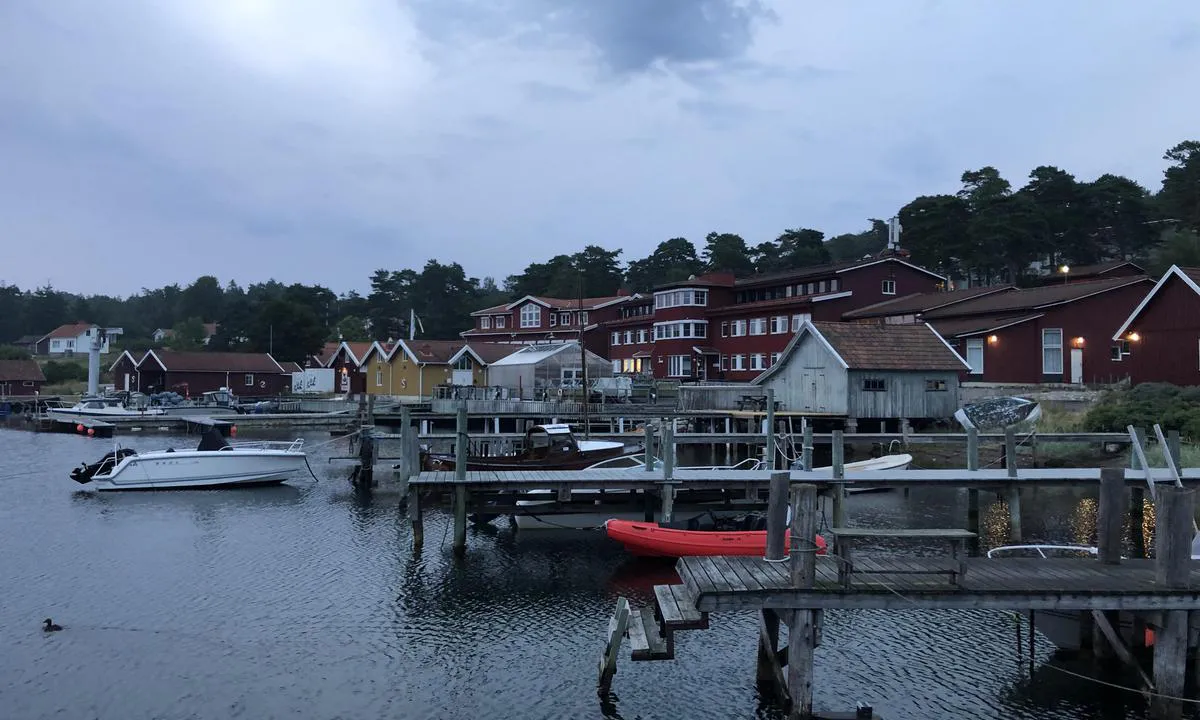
[894,229]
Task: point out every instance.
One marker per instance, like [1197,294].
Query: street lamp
[1064,269]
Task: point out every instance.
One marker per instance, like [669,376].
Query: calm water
[306,601]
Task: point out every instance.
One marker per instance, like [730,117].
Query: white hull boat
[590,520]
[105,408]
[214,464]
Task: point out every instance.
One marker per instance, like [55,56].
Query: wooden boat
[547,447]
[998,413]
[653,540]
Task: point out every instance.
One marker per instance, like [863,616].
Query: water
[306,601]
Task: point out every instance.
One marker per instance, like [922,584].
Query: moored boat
[547,447]
[215,463]
[652,540]
[102,407]
[998,413]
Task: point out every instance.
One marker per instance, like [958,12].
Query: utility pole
[587,425]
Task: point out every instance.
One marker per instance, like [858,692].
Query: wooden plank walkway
[639,478]
[734,583]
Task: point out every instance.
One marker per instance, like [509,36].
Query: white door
[126,382]
[1077,365]
[345,382]
[461,377]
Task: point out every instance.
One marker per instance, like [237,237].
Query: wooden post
[1110,518]
[770,447]
[1175,447]
[617,625]
[1014,490]
[461,440]
[1137,507]
[648,439]
[777,505]
[366,460]
[669,450]
[415,517]
[806,452]
[973,493]
[668,502]
[839,473]
[1174,512]
[802,625]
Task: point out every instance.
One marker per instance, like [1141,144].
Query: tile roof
[1035,298]
[327,352]
[233,362]
[69,330]
[491,352]
[962,327]
[20,371]
[359,350]
[291,367]
[1102,268]
[923,302]
[827,270]
[1193,273]
[871,346]
[553,303]
[433,352]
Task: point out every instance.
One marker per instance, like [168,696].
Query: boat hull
[201,469]
[650,540]
[580,461]
[593,521]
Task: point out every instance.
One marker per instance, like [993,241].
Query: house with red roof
[1159,340]
[538,320]
[194,373]
[20,377]
[71,338]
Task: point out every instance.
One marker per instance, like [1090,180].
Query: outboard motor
[85,472]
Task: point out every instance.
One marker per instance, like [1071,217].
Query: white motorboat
[215,463]
[586,520]
[105,407]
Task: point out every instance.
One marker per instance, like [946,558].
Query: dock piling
[806,451]
[973,493]
[770,429]
[839,473]
[416,517]
[1137,504]
[1014,491]
[1174,513]
[1110,519]
[460,478]
[777,505]
[802,623]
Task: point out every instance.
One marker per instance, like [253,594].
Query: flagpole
[412,323]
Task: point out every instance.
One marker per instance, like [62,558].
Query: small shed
[860,370]
[20,378]
[537,368]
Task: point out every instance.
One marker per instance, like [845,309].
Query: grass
[1189,455]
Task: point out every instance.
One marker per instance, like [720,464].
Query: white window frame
[485,322]
[464,363]
[643,335]
[1049,348]
[758,361]
[975,344]
[553,319]
[779,324]
[737,362]
[616,365]
[737,328]
[798,321]
[616,338]
[249,379]
[888,287]
[379,376]
[774,359]
[501,322]
[564,318]
[758,326]
[628,339]
[531,316]
[679,366]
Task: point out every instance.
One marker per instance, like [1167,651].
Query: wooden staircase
[651,630]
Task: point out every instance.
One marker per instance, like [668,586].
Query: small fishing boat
[215,463]
[998,413]
[105,407]
[547,447]
[653,540]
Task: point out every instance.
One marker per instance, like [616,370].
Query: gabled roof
[356,350]
[923,302]
[563,303]
[1036,298]
[291,367]
[384,350]
[233,362]
[871,346]
[828,270]
[1189,277]
[126,354]
[1096,270]
[432,352]
[325,356]
[969,326]
[20,371]
[533,354]
[70,330]
[485,353]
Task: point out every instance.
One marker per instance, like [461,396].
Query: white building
[70,339]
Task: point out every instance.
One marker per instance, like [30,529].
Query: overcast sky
[144,142]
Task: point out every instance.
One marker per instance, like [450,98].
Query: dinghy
[998,413]
[652,540]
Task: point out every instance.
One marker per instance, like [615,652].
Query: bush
[12,352]
[1171,406]
[58,372]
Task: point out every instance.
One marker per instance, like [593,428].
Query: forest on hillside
[987,231]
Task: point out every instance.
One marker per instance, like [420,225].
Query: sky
[145,142]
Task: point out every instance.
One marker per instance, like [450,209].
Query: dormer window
[531,316]
[485,322]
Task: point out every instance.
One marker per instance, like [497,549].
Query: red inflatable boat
[650,539]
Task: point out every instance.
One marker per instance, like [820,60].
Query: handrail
[1045,546]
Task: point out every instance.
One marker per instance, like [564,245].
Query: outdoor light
[1064,269]
[993,339]
[1134,336]
[1078,342]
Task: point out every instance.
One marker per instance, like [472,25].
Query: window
[249,379]
[935,386]
[724,362]
[834,284]
[553,319]
[378,376]
[821,286]
[628,337]
[616,338]
[583,318]
[571,376]
[758,361]
[737,362]
[643,336]
[1052,351]
[564,318]
[725,328]
[889,287]
[463,363]
[501,321]
[779,324]
[758,326]
[531,316]
[617,366]
[874,385]
[679,365]
[975,356]
[676,298]
[798,320]
[774,359]
[737,328]
[485,322]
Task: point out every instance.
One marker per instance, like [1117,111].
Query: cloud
[145,142]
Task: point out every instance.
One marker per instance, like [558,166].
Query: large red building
[534,319]
[1159,341]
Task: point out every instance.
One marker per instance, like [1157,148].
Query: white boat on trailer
[215,463]
[589,520]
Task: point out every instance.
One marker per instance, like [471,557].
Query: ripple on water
[307,602]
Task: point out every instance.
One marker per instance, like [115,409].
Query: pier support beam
[972,493]
[461,441]
[802,634]
[1014,491]
[416,518]
[1174,512]
[839,473]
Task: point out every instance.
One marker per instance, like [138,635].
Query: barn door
[1077,366]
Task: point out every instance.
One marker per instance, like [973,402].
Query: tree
[855,246]
[1176,247]
[1006,235]
[1121,210]
[13,323]
[350,329]
[935,231]
[202,299]
[1180,194]
[801,248]
[187,335]
[12,352]
[560,276]
[1063,205]
[672,260]
[727,252]
[288,331]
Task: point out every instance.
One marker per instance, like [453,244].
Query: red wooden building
[534,319]
[1159,341]
[20,377]
[1057,333]
[347,363]
[193,373]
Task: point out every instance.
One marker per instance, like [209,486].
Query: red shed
[193,373]
[1160,340]
[20,377]
[347,364]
